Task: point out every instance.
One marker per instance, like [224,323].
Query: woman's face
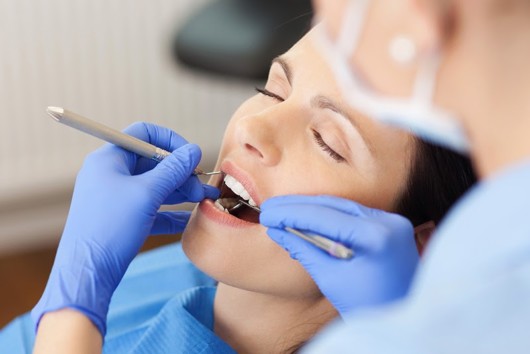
[296,136]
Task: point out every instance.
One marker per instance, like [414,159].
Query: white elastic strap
[425,81]
[352,25]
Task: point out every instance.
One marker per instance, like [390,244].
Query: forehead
[309,67]
[306,49]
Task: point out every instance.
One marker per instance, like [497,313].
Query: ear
[422,234]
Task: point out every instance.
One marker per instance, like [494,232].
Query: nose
[260,135]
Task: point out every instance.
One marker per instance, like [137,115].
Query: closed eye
[326,148]
[266,92]
[318,138]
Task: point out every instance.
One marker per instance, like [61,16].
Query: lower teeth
[220,207]
[226,204]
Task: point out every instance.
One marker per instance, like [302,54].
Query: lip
[231,169]
[208,208]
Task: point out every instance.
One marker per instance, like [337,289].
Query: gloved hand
[385,252]
[114,208]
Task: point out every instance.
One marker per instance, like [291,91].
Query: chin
[245,258]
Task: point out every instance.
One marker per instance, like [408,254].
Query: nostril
[258,136]
[253,150]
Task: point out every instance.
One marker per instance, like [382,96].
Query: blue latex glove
[385,252]
[114,208]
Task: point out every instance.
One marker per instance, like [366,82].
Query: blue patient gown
[164,304]
[472,292]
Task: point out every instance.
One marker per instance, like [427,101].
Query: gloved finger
[211,192]
[192,189]
[174,170]
[170,222]
[333,202]
[156,135]
[126,162]
[177,197]
[161,137]
[195,191]
[110,157]
[143,164]
[335,225]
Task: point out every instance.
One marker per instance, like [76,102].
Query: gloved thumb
[170,222]
[175,169]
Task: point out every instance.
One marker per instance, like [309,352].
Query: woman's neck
[253,322]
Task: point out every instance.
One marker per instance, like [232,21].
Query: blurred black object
[241,37]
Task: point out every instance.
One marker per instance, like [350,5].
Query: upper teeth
[238,189]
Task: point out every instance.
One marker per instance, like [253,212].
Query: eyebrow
[324,102]
[285,66]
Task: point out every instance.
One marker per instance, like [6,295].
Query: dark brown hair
[438,177]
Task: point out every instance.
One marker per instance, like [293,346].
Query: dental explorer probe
[333,248]
[113,136]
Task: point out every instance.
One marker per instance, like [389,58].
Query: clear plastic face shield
[416,113]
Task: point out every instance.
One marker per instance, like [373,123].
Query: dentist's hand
[385,252]
[114,208]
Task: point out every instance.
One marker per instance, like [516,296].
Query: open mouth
[232,194]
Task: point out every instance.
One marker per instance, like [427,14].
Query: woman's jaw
[235,249]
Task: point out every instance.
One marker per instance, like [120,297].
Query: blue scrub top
[157,308]
[472,291]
